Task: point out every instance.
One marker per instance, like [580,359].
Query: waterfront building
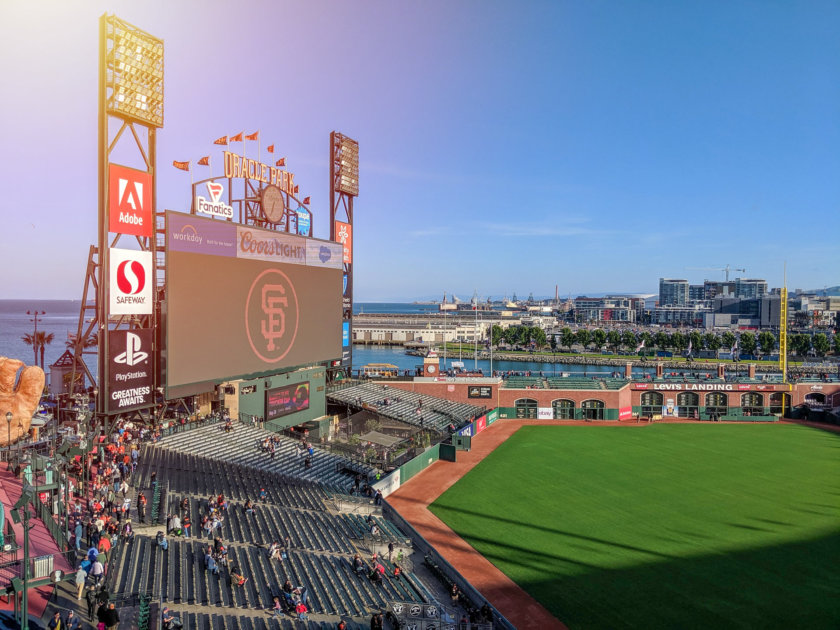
[673,292]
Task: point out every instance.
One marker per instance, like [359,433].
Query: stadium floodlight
[133,73]
[348,172]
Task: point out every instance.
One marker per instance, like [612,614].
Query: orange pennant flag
[270,148]
[253,136]
[205,161]
[237,137]
[296,189]
[307,201]
[280,162]
[184,166]
[223,140]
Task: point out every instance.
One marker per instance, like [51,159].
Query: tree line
[763,343]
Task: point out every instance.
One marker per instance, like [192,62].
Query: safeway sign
[132,279]
[130,201]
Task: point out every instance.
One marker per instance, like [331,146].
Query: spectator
[97,572]
[301,611]
[56,623]
[111,618]
[277,608]
[236,578]
[263,494]
[454,594]
[341,625]
[72,621]
[78,532]
[81,578]
[170,622]
[249,507]
[175,525]
[358,564]
[141,507]
[186,524]
[161,541]
[397,572]
[90,596]
[210,563]
[376,622]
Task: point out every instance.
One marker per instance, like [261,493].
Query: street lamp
[9,417]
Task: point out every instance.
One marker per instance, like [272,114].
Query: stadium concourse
[260,527]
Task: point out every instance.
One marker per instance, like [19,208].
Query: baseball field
[662,526]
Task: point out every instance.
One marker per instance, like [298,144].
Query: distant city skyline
[503,146]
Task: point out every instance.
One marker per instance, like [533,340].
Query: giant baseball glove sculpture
[21,401]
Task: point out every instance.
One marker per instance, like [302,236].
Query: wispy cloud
[563,227]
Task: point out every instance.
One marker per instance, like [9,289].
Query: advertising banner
[344,235]
[479,391]
[492,416]
[131,379]
[545,413]
[345,334]
[132,279]
[188,233]
[625,413]
[480,424]
[304,222]
[467,430]
[213,207]
[323,254]
[270,246]
[282,401]
[130,201]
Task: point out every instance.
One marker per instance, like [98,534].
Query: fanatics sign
[130,201]
[132,279]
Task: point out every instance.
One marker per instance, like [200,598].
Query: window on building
[651,404]
[778,402]
[752,404]
[717,404]
[688,405]
[564,409]
[526,408]
[592,409]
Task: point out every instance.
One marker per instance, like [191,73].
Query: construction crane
[726,269]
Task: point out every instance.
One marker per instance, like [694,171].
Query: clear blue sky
[504,146]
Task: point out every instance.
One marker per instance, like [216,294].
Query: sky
[504,146]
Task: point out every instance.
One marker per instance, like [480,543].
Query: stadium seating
[323,541]
[420,410]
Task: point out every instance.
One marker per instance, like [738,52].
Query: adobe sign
[130,201]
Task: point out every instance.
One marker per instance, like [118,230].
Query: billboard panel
[270,246]
[478,391]
[323,254]
[130,379]
[545,413]
[130,201]
[234,317]
[187,233]
[344,235]
[282,401]
[132,278]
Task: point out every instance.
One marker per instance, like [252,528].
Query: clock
[432,369]
[273,204]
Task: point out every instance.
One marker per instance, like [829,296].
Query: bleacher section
[241,447]
[323,540]
[408,407]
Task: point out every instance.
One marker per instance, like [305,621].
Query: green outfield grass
[663,526]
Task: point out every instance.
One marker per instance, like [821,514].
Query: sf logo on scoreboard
[271,315]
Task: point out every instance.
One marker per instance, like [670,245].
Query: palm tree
[30,340]
[44,339]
